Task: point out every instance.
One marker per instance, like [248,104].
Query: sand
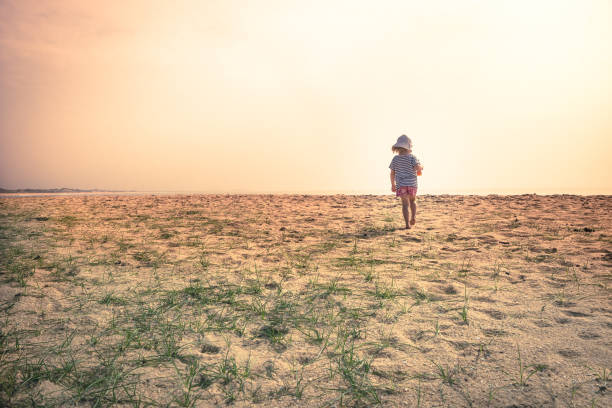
[290,300]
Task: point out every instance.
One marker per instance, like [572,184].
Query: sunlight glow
[294,96]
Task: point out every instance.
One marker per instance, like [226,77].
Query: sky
[284,96]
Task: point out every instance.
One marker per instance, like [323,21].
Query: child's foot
[408,226]
[412,221]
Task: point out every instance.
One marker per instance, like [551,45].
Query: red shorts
[405,190]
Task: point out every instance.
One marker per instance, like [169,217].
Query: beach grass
[203,300]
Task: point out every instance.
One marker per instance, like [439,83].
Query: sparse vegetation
[232,300]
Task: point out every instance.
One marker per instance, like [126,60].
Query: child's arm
[393,188]
[417,165]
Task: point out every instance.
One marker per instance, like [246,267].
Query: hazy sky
[306,96]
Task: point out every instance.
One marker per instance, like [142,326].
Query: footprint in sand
[450,249]
[484,299]
[575,313]
[496,314]
[569,353]
[494,332]
[588,335]
[412,239]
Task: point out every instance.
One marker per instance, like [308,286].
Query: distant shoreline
[53,191]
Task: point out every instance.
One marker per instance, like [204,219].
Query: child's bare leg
[405,205]
[413,209]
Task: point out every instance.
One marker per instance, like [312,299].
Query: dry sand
[204,300]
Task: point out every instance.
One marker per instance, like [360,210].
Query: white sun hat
[403,141]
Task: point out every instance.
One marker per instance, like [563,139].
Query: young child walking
[404,170]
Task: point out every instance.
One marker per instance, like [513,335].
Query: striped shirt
[405,170]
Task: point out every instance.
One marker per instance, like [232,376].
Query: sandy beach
[309,301]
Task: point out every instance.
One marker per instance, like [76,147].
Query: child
[404,169]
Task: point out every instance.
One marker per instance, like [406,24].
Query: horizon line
[476,192]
